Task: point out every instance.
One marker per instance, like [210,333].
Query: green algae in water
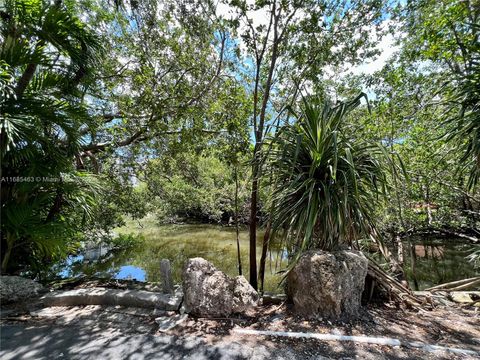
[178,243]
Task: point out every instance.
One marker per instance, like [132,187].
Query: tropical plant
[47,53]
[326,182]
[446,34]
[465,129]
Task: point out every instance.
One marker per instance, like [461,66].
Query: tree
[326,182]
[46,61]
[290,51]
[168,64]
[193,187]
[447,34]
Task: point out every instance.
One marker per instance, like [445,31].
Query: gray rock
[328,284]
[17,288]
[244,295]
[211,293]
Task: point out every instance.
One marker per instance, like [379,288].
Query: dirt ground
[449,327]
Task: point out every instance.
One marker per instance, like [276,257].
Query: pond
[176,243]
[427,262]
[433,261]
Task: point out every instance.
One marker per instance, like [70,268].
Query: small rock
[461,297]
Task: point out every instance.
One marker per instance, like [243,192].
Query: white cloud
[387,48]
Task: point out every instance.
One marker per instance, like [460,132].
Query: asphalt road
[20,341]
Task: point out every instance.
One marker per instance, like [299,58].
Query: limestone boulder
[209,292]
[244,295]
[17,288]
[328,284]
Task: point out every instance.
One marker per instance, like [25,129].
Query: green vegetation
[194,187]
[47,55]
[114,110]
[326,182]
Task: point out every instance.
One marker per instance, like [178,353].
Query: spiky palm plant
[464,127]
[46,54]
[325,182]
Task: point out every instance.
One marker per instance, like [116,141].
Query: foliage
[125,241]
[196,187]
[446,34]
[325,183]
[175,118]
[47,53]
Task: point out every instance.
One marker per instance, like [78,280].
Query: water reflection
[427,262]
[176,243]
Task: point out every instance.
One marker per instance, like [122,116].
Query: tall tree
[446,33]
[289,51]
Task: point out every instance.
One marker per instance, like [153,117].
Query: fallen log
[456,285]
[396,291]
[441,232]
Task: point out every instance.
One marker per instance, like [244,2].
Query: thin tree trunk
[8,252]
[236,223]
[396,267]
[253,228]
[25,79]
[413,263]
[259,129]
[263,258]
[399,250]
[429,208]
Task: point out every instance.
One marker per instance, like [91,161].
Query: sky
[386,45]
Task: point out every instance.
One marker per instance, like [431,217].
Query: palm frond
[325,184]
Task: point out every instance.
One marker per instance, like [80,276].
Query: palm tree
[464,126]
[326,182]
[46,54]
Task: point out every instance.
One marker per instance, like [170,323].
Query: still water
[176,243]
[427,262]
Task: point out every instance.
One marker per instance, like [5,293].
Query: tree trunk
[8,252]
[259,129]
[263,258]
[239,258]
[413,263]
[25,79]
[253,228]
